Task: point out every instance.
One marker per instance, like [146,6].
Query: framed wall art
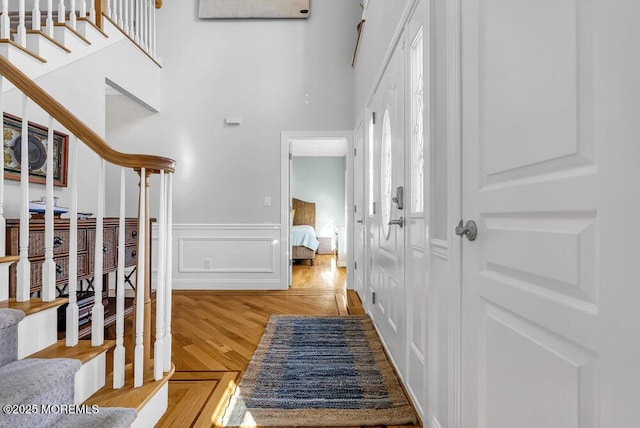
[253,9]
[38,144]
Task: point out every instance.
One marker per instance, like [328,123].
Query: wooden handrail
[67,119]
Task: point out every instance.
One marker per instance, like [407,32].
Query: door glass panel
[370,182]
[386,173]
[417,125]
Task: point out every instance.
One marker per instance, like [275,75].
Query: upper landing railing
[135,18]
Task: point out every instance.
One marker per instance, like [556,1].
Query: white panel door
[416,207]
[387,276]
[359,211]
[550,293]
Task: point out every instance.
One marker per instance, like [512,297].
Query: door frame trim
[454,186]
[285,176]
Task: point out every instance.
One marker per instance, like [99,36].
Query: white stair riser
[69,39]
[4,281]
[89,31]
[37,331]
[90,378]
[43,47]
[154,409]
[25,62]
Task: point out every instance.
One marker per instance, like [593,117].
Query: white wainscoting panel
[227,257]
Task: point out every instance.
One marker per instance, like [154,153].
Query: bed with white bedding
[304,242]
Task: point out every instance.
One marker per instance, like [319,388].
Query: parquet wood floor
[216,332]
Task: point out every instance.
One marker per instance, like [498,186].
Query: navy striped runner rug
[319,371]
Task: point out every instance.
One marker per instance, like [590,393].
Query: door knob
[398,222]
[470,230]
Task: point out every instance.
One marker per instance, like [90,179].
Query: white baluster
[61,12]
[73,17]
[21,35]
[108,9]
[35,15]
[125,18]
[150,8]
[119,355]
[158,362]
[168,280]
[146,21]
[136,24]
[49,21]
[83,9]
[121,20]
[92,12]
[115,11]
[23,288]
[5,24]
[138,365]
[49,266]
[143,22]
[72,308]
[152,46]
[97,312]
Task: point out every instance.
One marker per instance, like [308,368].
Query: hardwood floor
[323,274]
[216,332]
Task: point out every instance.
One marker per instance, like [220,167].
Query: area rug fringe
[326,371]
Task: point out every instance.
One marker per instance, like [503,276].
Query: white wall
[277,75]
[382,18]
[321,180]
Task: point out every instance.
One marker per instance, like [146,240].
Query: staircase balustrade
[35,98]
[135,18]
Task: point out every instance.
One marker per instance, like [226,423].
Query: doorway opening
[316,192]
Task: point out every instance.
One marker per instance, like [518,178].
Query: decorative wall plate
[37,152]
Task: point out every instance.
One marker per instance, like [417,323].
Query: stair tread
[128,396]
[9,259]
[33,306]
[83,351]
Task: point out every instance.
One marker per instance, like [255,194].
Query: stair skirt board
[154,409]
[90,378]
[37,331]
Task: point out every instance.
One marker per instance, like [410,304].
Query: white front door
[417,148]
[386,279]
[550,291]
